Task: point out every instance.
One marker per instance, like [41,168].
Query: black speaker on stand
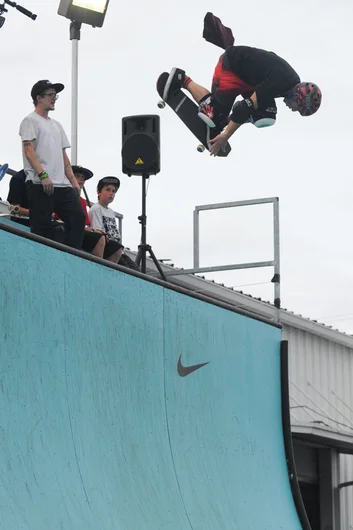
[141,156]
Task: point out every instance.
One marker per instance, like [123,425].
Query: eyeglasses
[52,95]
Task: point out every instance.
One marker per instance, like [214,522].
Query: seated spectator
[103,218]
[18,198]
[93,241]
[83,174]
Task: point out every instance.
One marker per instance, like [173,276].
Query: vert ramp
[97,428]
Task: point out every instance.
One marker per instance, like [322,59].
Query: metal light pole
[92,13]
[75,35]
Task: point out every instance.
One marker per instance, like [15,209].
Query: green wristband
[43,175]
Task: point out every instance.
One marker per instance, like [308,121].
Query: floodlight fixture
[91,12]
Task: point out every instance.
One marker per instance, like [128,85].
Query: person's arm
[254,100]
[218,143]
[230,129]
[67,165]
[23,212]
[240,114]
[28,133]
[28,147]
[69,173]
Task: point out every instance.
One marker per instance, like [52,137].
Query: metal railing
[275,262]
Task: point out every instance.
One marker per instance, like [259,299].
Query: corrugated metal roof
[220,291]
[265,302]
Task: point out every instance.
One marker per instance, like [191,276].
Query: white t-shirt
[104,219]
[49,141]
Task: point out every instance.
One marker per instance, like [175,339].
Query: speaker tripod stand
[143,248]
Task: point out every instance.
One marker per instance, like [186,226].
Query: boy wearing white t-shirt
[103,220]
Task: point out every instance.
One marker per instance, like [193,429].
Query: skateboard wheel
[200,148]
[161,104]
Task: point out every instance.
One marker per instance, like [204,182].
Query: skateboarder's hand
[218,144]
[48,186]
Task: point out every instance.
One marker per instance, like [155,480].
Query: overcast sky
[306,162]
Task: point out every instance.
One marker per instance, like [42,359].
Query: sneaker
[207,111]
[210,115]
[176,79]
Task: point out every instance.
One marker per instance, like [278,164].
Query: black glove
[241,111]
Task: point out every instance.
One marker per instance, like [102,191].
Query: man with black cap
[50,181]
[103,218]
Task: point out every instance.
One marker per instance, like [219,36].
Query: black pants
[65,203]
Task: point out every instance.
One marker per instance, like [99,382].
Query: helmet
[308,98]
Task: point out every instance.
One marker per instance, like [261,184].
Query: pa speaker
[140,150]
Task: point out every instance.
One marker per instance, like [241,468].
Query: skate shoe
[210,114]
[175,80]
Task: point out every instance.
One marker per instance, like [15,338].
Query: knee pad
[265,117]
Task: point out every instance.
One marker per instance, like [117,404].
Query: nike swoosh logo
[183,371]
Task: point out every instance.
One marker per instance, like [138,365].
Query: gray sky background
[306,162]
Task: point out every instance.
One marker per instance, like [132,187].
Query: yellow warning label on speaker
[139,162]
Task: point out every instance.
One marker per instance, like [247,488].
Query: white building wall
[346,494]
[321,394]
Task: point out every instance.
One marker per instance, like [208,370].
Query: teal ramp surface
[98,431]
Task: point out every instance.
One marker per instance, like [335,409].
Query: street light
[91,12]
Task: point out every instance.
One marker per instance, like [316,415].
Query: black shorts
[111,247]
[90,239]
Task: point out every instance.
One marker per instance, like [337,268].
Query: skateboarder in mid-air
[257,75]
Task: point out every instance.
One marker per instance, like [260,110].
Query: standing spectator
[103,218]
[50,182]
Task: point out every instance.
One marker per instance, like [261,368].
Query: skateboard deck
[187,111]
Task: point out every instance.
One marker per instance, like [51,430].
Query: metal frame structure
[275,263]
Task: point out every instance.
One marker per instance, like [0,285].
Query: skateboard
[3,170]
[187,111]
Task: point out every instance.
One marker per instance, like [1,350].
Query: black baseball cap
[87,173]
[44,84]
[108,180]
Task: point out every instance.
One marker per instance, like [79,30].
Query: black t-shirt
[17,190]
[269,75]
